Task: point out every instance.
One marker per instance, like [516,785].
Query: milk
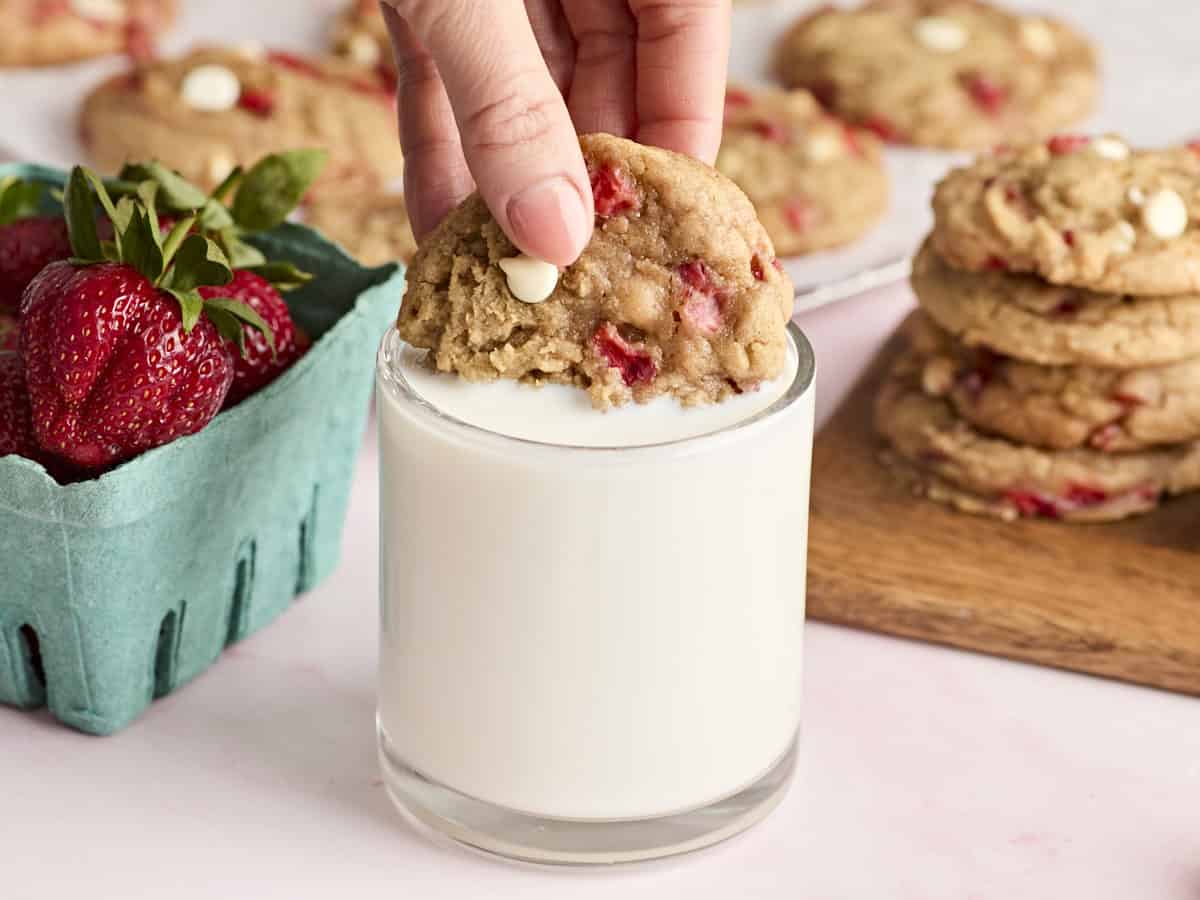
[590,616]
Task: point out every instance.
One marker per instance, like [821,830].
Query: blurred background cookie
[49,32]
[373,228]
[215,108]
[814,181]
[942,73]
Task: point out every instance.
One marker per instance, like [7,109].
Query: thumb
[517,135]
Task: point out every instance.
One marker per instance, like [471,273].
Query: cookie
[361,37]
[1025,317]
[373,228]
[815,182]
[940,456]
[1058,407]
[1091,213]
[678,293]
[50,32]
[942,73]
[213,109]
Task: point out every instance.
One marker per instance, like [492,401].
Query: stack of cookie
[1050,371]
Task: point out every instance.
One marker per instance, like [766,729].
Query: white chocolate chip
[110,12]
[1136,196]
[1165,215]
[940,34]
[219,166]
[1110,148]
[1038,38]
[362,49]
[823,148]
[210,88]
[529,280]
[255,51]
[938,376]
[1126,236]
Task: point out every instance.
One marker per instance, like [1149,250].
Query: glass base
[498,831]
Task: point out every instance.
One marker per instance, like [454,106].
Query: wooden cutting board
[1121,601]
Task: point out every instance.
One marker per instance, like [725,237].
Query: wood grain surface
[1121,601]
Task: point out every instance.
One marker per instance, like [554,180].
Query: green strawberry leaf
[232,180]
[243,313]
[199,261]
[215,216]
[191,305]
[178,194]
[228,326]
[284,275]
[19,199]
[274,187]
[123,213]
[80,210]
[176,237]
[141,245]
[240,254]
[102,195]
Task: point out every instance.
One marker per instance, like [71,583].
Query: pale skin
[494,92]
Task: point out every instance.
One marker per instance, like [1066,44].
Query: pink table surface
[926,773]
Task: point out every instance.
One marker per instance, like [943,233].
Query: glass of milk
[591,622]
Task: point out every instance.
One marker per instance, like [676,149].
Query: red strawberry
[10,332]
[16,426]
[122,353]
[26,247]
[111,370]
[258,365]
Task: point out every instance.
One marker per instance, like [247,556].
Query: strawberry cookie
[678,292]
[373,228]
[1059,407]
[942,73]
[214,109]
[50,32]
[815,182]
[1088,212]
[939,455]
[361,37]
[1030,319]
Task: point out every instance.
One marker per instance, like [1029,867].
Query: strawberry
[122,353]
[16,424]
[28,241]
[10,332]
[258,363]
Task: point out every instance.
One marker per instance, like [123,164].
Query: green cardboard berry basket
[117,591]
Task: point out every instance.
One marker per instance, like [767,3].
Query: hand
[493,92]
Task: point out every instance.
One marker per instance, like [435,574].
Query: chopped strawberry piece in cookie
[635,363]
[1033,506]
[1081,496]
[734,97]
[260,103]
[882,128]
[1066,144]
[800,214]
[771,131]
[613,192]
[702,307]
[986,92]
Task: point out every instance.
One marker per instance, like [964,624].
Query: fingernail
[549,221]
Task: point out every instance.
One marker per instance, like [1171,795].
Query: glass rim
[391,379]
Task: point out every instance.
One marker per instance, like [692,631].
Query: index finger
[682,59]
